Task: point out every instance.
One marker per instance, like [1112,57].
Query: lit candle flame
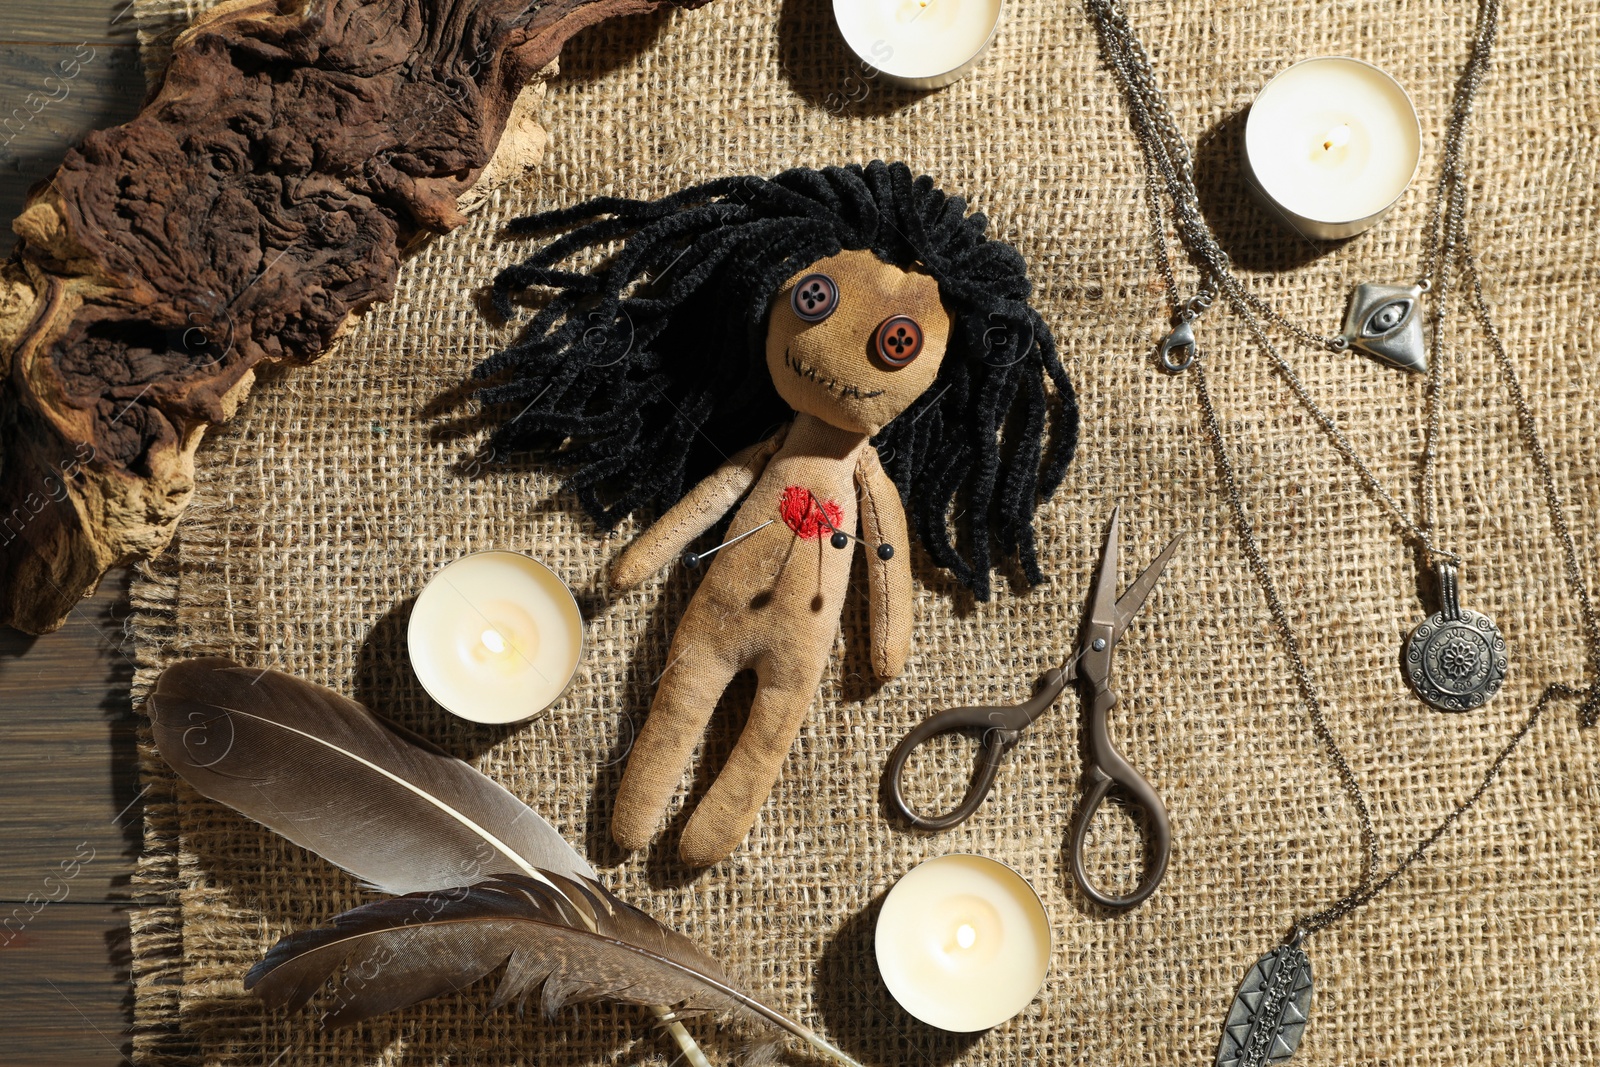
[1337,137]
[493,641]
[966,936]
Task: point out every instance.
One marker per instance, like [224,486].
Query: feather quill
[574,936]
[487,880]
[359,791]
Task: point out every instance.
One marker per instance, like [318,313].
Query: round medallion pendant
[1456,664]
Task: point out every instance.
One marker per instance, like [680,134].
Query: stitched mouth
[842,390]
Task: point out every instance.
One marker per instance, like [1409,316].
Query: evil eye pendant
[1386,318]
[1385,322]
[898,340]
[814,297]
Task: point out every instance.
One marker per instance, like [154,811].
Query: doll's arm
[693,515]
[883,521]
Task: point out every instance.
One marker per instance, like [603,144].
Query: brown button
[898,340]
[814,297]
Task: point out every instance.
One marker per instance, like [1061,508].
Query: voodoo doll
[834,348]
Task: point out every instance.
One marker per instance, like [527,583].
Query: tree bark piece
[260,202]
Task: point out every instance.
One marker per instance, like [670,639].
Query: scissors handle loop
[1002,728]
[1158,846]
[997,741]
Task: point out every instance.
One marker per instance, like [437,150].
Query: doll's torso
[785,584]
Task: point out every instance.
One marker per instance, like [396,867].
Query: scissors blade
[1102,601]
[1133,599]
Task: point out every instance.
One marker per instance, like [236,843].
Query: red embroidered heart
[807,516]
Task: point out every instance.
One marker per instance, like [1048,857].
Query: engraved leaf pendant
[1269,1012]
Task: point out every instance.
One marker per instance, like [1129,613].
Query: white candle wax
[963,942]
[1332,143]
[495,637]
[921,43]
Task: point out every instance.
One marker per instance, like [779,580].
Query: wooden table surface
[69,811]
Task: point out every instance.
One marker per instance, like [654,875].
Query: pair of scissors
[1104,768]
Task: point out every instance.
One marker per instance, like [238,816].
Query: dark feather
[573,936]
[391,808]
[323,771]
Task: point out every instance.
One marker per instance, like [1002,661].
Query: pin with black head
[840,539]
[694,559]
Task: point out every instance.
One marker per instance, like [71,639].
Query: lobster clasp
[1176,352]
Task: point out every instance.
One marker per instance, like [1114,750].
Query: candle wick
[444,576]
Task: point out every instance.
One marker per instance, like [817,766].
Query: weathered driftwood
[259,202]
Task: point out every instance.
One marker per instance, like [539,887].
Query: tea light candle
[921,44]
[495,637]
[1331,143]
[963,942]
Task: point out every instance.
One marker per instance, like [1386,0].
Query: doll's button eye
[898,340]
[814,297]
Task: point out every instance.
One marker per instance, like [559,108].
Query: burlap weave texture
[324,507]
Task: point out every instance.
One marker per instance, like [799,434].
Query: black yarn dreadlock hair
[641,375]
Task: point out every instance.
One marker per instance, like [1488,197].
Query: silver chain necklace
[1454,660]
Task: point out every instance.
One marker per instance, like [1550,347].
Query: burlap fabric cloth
[338,490]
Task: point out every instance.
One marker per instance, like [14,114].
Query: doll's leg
[684,701]
[783,696]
